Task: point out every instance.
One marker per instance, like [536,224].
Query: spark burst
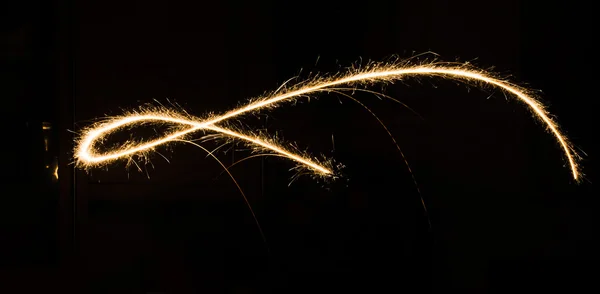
[87,155]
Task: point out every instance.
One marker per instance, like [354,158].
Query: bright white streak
[85,150]
[381,73]
[452,72]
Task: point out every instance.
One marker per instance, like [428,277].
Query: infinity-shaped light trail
[87,155]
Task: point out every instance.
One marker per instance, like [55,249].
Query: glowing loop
[85,154]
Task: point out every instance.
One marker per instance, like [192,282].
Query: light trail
[86,154]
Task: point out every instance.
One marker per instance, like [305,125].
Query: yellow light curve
[85,152]
[86,155]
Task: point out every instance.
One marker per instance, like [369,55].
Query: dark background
[504,210]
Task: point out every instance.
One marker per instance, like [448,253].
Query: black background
[504,210]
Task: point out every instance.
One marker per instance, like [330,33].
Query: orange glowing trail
[378,73]
[86,154]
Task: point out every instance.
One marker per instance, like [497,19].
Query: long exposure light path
[87,155]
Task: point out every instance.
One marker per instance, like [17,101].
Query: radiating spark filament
[86,155]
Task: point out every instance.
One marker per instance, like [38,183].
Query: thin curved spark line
[226,169]
[86,154]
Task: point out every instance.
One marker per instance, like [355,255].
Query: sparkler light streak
[88,156]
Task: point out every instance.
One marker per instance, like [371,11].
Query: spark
[236,184]
[88,156]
